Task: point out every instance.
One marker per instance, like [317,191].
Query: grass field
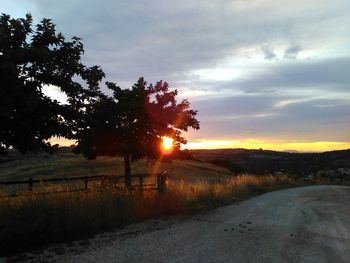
[65,164]
[33,220]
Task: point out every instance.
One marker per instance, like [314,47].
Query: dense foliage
[29,60]
[133,121]
[129,123]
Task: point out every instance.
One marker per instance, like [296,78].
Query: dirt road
[307,224]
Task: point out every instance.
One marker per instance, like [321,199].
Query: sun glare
[167,143]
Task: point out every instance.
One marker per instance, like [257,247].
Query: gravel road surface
[306,224]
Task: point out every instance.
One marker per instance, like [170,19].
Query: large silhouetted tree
[132,123]
[31,58]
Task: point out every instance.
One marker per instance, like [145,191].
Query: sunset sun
[167,143]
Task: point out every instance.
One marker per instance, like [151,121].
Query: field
[33,220]
[64,164]
[274,162]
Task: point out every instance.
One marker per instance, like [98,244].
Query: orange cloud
[318,146]
[250,143]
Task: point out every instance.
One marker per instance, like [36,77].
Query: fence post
[141,182]
[30,184]
[158,182]
[103,181]
[86,182]
[161,181]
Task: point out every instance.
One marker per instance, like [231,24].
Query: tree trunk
[127,170]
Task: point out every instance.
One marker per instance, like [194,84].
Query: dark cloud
[162,39]
[324,74]
[268,53]
[234,105]
[303,121]
[292,52]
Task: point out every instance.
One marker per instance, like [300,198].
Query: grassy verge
[32,220]
[203,195]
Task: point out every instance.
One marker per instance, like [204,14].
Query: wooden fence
[159,183]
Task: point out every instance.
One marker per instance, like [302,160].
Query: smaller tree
[132,123]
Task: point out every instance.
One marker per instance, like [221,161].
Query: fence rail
[159,185]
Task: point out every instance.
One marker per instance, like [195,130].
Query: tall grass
[32,220]
[204,194]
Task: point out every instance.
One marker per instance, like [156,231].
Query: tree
[29,60]
[132,122]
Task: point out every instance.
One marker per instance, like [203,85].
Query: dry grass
[33,219]
[29,221]
[67,164]
[203,194]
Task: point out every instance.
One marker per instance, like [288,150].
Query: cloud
[257,116]
[162,39]
[292,52]
[288,63]
[318,74]
[268,53]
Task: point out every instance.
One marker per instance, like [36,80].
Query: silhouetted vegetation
[272,162]
[129,123]
[235,168]
[132,122]
[31,58]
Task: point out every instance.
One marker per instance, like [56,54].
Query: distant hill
[16,166]
[267,161]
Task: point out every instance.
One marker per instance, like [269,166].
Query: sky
[262,74]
